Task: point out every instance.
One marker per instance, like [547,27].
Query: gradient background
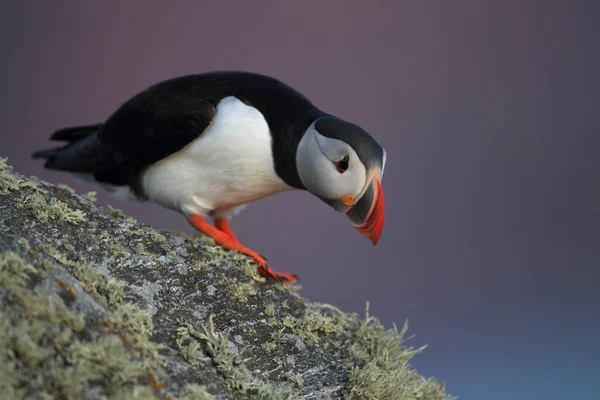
[490,115]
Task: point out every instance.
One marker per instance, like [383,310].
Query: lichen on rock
[96,305]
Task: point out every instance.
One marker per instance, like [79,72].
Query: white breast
[229,165]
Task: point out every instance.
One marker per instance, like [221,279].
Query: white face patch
[383,163]
[315,160]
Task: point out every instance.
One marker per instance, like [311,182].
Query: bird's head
[343,165]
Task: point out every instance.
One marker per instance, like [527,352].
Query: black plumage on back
[166,117]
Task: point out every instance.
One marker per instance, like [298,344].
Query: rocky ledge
[94,305]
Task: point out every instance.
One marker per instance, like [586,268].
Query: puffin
[206,145]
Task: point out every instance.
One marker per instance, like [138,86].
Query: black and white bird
[207,144]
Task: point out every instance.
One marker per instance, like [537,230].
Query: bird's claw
[267,272]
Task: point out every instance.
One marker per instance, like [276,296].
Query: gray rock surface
[94,305]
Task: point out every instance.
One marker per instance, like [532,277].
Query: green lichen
[117,249]
[289,287]
[140,249]
[385,373]
[42,346]
[107,290]
[279,337]
[226,359]
[191,349]
[215,252]
[193,391]
[249,268]
[4,167]
[119,213]
[8,183]
[172,254]
[202,267]
[66,188]
[14,272]
[69,247]
[25,184]
[269,347]
[311,324]
[386,346]
[242,291]
[270,309]
[297,380]
[115,211]
[91,196]
[24,243]
[137,326]
[157,237]
[104,235]
[375,383]
[52,210]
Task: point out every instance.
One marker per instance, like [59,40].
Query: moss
[141,249]
[289,287]
[191,349]
[119,213]
[279,337]
[69,247]
[171,254]
[215,252]
[225,357]
[91,196]
[14,272]
[385,373]
[132,322]
[311,324]
[25,184]
[157,237]
[24,243]
[270,309]
[53,209]
[4,167]
[242,291]
[107,290]
[269,347]
[192,391]
[42,344]
[115,211]
[278,360]
[374,342]
[375,383]
[116,249]
[202,267]
[66,188]
[297,380]
[250,268]
[8,182]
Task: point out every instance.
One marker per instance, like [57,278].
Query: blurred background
[490,115]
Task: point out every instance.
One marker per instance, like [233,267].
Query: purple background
[490,115]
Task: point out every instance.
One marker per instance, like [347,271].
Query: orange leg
[224,237]
[222,224]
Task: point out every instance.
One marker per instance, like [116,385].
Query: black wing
[150,126]
[154,124]
[164,118]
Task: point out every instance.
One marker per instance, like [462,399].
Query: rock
[95,305]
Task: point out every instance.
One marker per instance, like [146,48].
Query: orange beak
[367,215]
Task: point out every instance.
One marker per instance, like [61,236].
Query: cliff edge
[94,305]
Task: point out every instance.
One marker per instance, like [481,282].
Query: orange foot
[222,234]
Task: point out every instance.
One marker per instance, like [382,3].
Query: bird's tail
[71,157]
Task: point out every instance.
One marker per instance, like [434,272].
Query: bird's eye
[342,165]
